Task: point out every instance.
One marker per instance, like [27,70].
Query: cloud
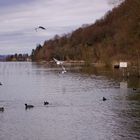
[19,19]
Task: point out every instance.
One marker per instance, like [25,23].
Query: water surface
[76,110]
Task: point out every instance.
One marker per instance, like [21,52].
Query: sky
[19,18]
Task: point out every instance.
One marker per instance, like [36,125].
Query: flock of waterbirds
[29,106]
[58,62]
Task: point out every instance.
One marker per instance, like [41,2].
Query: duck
[1,109]
[0,84]
[104,99]
[28,106]
[46,103]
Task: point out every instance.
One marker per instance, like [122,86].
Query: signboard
[123,64]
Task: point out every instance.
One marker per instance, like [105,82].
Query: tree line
[114,37]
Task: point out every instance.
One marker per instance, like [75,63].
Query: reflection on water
[76,110]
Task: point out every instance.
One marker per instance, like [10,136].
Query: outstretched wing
[55,60]
[58,62]
[41,27]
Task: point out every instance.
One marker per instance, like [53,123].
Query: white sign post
[123,65]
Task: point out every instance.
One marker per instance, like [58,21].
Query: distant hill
[115,37]
[2,57]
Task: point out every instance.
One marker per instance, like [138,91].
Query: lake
[76,110]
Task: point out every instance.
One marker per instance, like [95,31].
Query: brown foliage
[114,37]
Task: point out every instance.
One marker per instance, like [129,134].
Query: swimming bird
[28,106]
[134,89]
[0,84]
[46,103]
[58,62]
[40,27]
[104,99]
[1,109]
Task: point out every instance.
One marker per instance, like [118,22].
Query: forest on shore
[113,38]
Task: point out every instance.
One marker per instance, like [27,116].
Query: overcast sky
[19,18]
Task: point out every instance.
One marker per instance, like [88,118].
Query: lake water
[76,110]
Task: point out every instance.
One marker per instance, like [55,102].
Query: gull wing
[58,62]
[41,27]
[55,60]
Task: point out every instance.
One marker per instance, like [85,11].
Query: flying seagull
[40,27]
[58,62]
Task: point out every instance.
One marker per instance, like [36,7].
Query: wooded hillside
[115,37]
